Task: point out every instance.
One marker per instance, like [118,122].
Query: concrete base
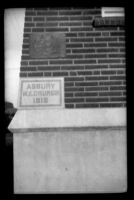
[82,161]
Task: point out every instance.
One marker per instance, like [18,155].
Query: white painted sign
[112,12]
[41,92]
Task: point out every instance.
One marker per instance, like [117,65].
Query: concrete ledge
[38,120]
[68,129]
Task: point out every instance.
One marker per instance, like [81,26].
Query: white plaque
[41,93]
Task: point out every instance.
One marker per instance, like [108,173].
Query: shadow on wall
[9,113]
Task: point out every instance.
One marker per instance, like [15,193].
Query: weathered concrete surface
[70,161]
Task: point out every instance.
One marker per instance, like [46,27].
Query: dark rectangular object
[47,45]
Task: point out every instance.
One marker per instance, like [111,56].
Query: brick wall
[94,65]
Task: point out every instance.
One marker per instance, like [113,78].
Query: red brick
[73,56]
[67,40]
[25,46]
[87,105]
[95,55]
[81,29]
[73,100]
[96,72]
[121,28]
[111,105]
[84,94]
[37,29]
[68,95]
[41,9]
[74,79]
[106,28]
[95,45]
[38,62]
[106,50]
[117,77]
[24,62]
[123,60]
[25,53]
[86,83]
[122,49]
[105,33]
[73,67]
[108,72]
[81,34]
[95,78]
[29,24]
[83,51]
[120,44]
[93,34]
[84,73]
[30,9]
[26,35]
[85,61]
[96,88]
[68,50]
[73,89]
[77,18]
[118,99]
[57,18]
[48,68]
[120,33]
[28,69]
[97,99]
[109,61]
[36,74]
[28,19]
[72,73]
[81,40]
[26,40]
[47,24]
[25,57]
[74,45]
[110,93]
[47,73]
[60,73]
[105,39]
[72,12]
[23,74]
[57,29]
[69,84]
[60,62]
[121,72]
[117,66]
[69,105]
[96,67]
[71,34]
[116,55]
[47,13]
[110,83]
[27,30]
[70,24]
[124,93]
[122,39]
[92,12]
[36,19]
[30,13]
